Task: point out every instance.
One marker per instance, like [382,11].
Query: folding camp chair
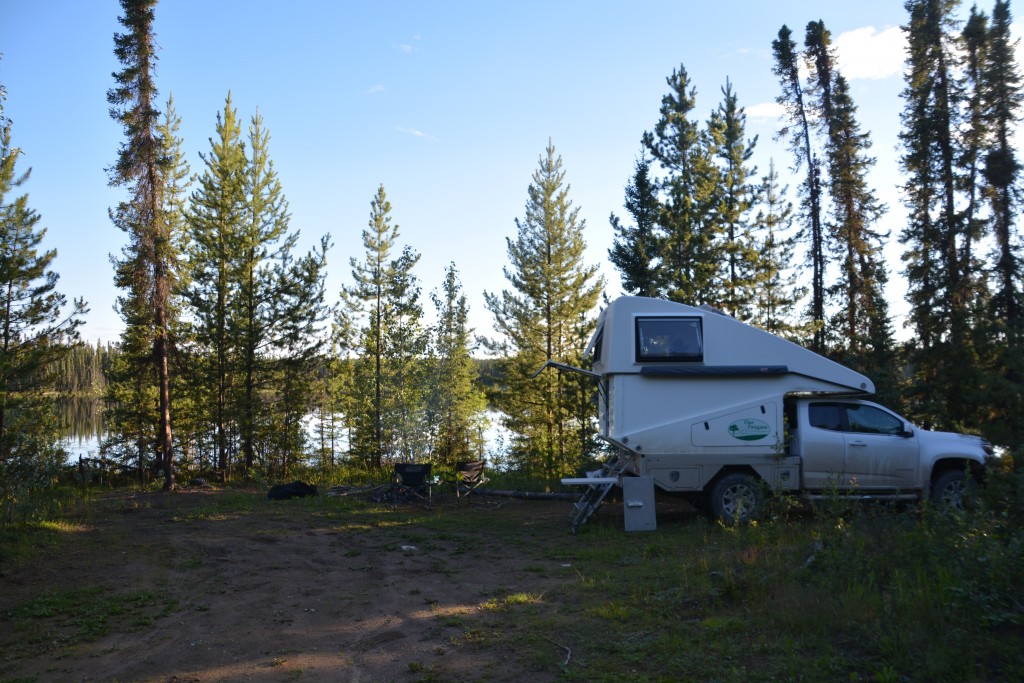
[410,482]
[470,476]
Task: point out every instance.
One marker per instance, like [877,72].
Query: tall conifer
[147,268]
[635,250]
[740,255]
[691,246]
[455,402]
[218,210]
[778,293]
[381,335]
[797,130]
[542,316]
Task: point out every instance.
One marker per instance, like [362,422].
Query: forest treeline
[235,362]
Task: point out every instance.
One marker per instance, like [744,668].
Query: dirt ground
[280,592]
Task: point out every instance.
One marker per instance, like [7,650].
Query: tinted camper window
[669,339]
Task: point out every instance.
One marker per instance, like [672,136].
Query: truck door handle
[859,444]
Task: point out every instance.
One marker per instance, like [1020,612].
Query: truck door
[878,452]
[822,447]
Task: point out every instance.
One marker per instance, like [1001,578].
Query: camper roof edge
[618,347]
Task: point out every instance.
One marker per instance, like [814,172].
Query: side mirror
[908,430]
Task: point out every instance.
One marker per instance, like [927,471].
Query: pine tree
[542,317]
[456,403]
[406,342]
[381,330]
[36,334]
[635,250]
[148,267]
[258,303]
[798,131]
[218,210]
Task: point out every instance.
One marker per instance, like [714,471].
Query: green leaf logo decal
[749,429]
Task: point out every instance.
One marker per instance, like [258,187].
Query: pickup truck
[722,412]
[856,448]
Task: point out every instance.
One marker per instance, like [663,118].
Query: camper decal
[749,429]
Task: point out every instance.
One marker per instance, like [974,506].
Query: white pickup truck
[724,413]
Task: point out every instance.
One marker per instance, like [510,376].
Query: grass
[875,595]
[61,619]
[854,594]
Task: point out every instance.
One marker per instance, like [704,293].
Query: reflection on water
[81,422]
[82,429]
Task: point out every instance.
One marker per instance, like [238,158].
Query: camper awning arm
[567,368]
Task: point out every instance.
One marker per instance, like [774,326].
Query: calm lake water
[82,420]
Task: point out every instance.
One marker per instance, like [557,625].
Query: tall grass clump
[930,591]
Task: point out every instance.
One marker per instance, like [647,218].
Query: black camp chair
[470,476]
[411,482]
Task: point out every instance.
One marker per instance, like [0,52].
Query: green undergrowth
[55,621]
[845,594]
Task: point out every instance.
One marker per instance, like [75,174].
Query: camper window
[669,340]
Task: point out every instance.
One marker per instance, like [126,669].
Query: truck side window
[870,420]
[825,416]
[674,339]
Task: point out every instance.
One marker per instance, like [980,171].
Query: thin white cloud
[765,110]
[375,89]
[409,48]
[415,133]
[869,54]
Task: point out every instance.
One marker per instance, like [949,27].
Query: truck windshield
[675,339]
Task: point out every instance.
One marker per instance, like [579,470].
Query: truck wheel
[949,489]
[737,498]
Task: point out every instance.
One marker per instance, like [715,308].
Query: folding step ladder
[598,483]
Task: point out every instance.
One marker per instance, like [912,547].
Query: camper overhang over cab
[680,379]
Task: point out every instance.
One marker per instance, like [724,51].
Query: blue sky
[449,105]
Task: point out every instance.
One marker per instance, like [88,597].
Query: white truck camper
[724,413]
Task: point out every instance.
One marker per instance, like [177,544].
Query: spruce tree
[148,267]
[858,330]
[1002,96]
[1000,86]
[295,357]
[691,246]
[635,250]
[542,316]
[131,396]
[778,293]
[798,131]
[940,278]
[740,256]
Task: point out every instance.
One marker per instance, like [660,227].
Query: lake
[83,429]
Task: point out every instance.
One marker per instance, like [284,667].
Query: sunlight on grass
[496,604]
[61,526]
